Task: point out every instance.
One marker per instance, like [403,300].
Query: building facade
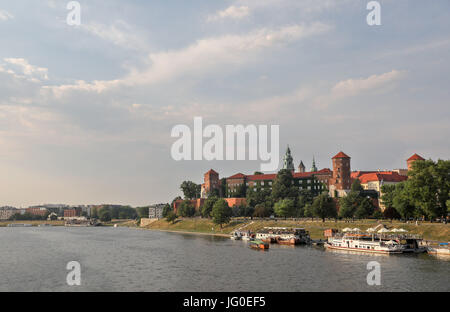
[156,211]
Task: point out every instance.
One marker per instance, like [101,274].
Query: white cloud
[353,87]
[120,33]
[20,68]
[204,56]
[232,12]
[5,15]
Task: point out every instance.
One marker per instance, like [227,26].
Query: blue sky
[86,111]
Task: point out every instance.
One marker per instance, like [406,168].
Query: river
[125,259]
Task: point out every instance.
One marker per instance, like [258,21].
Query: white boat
[236,235]
[364,243]
[273,234]
[19,225]
[441,249]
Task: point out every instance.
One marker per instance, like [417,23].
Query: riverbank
[429,231]
[33,223]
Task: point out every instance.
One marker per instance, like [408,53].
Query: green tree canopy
[171,217]
[349,204]
[208,206]
[285,207]
[190,189]
[186,209]
[221,212]
[283,186]
[323,207]
[356,186]
[104,215]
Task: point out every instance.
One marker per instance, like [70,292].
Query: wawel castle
[337,181]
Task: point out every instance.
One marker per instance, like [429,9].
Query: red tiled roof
[261,177]
[341,155]
[357,174]
[415,157]
[237,176]
[386,176]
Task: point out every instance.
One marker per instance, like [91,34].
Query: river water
[124,259]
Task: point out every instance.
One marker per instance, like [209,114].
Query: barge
[283,235]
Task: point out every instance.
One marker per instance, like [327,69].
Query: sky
[86,111]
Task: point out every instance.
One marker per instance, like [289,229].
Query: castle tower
[301,167]
[412,159]
[314,168]
[341,172]
[288,162]
[211,179]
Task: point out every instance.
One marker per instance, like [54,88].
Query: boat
[284,241]
[81,223]
[45,225]
[364,243]
[19,225]
[236,235]
[259,244]
[440,249]
[283,234]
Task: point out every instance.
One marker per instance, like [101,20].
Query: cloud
[352,87]
[204,56]
[20,68]
[231,12]
[120,34]
[5,15]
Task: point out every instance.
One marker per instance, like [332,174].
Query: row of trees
[425,194]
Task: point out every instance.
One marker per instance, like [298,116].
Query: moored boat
[259,244]
[440,249]
[290,241]
[364,243]
[273,234]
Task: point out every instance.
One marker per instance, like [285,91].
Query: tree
[349,204]
[283,186]
[221,212]
[166,209]
[171,217]
[305,197]
[402,201]
[309,213]
[241,191]
[190,189]
[187,209]
[142,212]
[208,206]
[387,197]
[261,211]
[94,213]
[323,207]
[356,186]
[429,186]
[105,215]
[285,207]
[365,208]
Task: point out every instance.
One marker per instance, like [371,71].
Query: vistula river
[124,259]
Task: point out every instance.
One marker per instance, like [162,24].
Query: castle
[337,181]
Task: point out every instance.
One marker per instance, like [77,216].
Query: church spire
[313,168]
[288,161]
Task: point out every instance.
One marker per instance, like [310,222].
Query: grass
[429,231]
[195,225]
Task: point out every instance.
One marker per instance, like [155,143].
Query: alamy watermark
[74,16]
[374,16]
[374,276]
[214,148]
[73,278]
